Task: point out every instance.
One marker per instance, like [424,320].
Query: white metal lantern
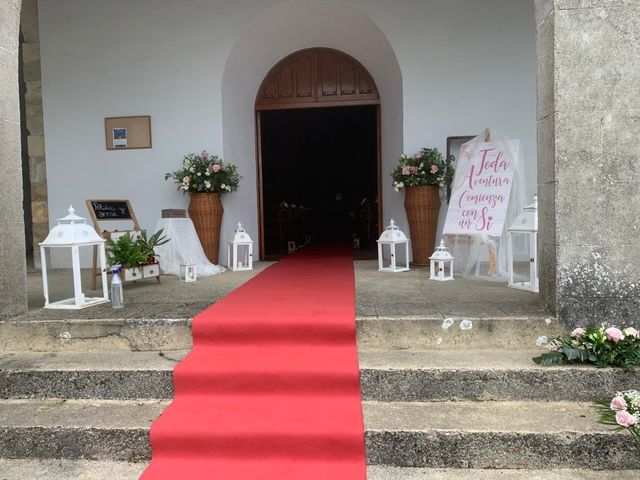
[240,251]
[523,249]
[188,272]
[73,232]
[441,264]
[391,240]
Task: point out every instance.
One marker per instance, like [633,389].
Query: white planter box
[151,271]
[132,274]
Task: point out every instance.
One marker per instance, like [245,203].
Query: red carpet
[271,389]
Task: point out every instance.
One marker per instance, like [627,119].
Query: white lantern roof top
[392,234]
[72,230]
[441,253]
[240,236]
[527,221]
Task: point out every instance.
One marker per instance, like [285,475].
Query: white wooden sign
[481,188]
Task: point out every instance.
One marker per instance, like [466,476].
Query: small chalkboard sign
[105,211]
[110,209]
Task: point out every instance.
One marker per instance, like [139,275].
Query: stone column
[589,158]
[35,126]
[13,274]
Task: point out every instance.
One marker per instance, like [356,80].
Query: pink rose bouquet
[603,346]
[428,167]
[205,173]
[622,412]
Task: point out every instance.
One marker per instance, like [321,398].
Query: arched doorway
[318,151]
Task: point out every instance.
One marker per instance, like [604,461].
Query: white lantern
[391,239]
[73,232]
[441,264]
[523,249]
[240,251]
[188,272]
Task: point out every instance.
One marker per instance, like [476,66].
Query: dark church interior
[319,176]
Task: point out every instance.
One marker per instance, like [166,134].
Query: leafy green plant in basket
[604,347]
[148,244]
[126,252]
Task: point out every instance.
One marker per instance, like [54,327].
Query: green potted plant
[206,177]
[423,176]
[148,244]
[137,257]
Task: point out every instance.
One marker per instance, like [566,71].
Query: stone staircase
[77,399]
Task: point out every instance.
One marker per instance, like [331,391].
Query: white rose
[223,186]
[207,173]
[207,184]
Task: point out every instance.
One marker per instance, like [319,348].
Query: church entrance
[318,131]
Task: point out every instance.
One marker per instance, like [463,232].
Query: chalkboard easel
[109,211]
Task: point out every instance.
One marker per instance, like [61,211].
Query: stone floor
[380,295]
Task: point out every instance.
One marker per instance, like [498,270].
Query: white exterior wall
[444,68]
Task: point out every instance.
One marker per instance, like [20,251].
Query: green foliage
[131,253]
[205,173]
[126,252]
[428,167]
[147,245]
[604,347]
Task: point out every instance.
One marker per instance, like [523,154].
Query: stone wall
[13,275]
[589,170]
[35,125]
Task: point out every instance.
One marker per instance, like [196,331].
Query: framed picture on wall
[128,133]
[454,144]
[453,148]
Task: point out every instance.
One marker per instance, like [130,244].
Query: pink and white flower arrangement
[205,173]
[604,346]
[428,167]
[622,412]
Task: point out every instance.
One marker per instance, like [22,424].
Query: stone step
[83,335]
[36,469]
[484,375]
[375,472]
[385,376]
[78,429]
[454,333]
[494,435]
[374,332]
[486,435]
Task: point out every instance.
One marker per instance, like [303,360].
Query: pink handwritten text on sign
[481,189]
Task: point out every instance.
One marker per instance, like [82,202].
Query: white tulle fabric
[472,252]
[183,247]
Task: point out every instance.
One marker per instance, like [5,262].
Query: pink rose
[434,169]
[631,332]
[204,154]
[406,171]
[417,155]
[618,403]
[578,332]
[614,334]
[186,179]
[625,419]
[215,168]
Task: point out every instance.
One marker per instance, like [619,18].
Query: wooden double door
[306,80]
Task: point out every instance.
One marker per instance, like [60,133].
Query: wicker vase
[423,206]
[205,210]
